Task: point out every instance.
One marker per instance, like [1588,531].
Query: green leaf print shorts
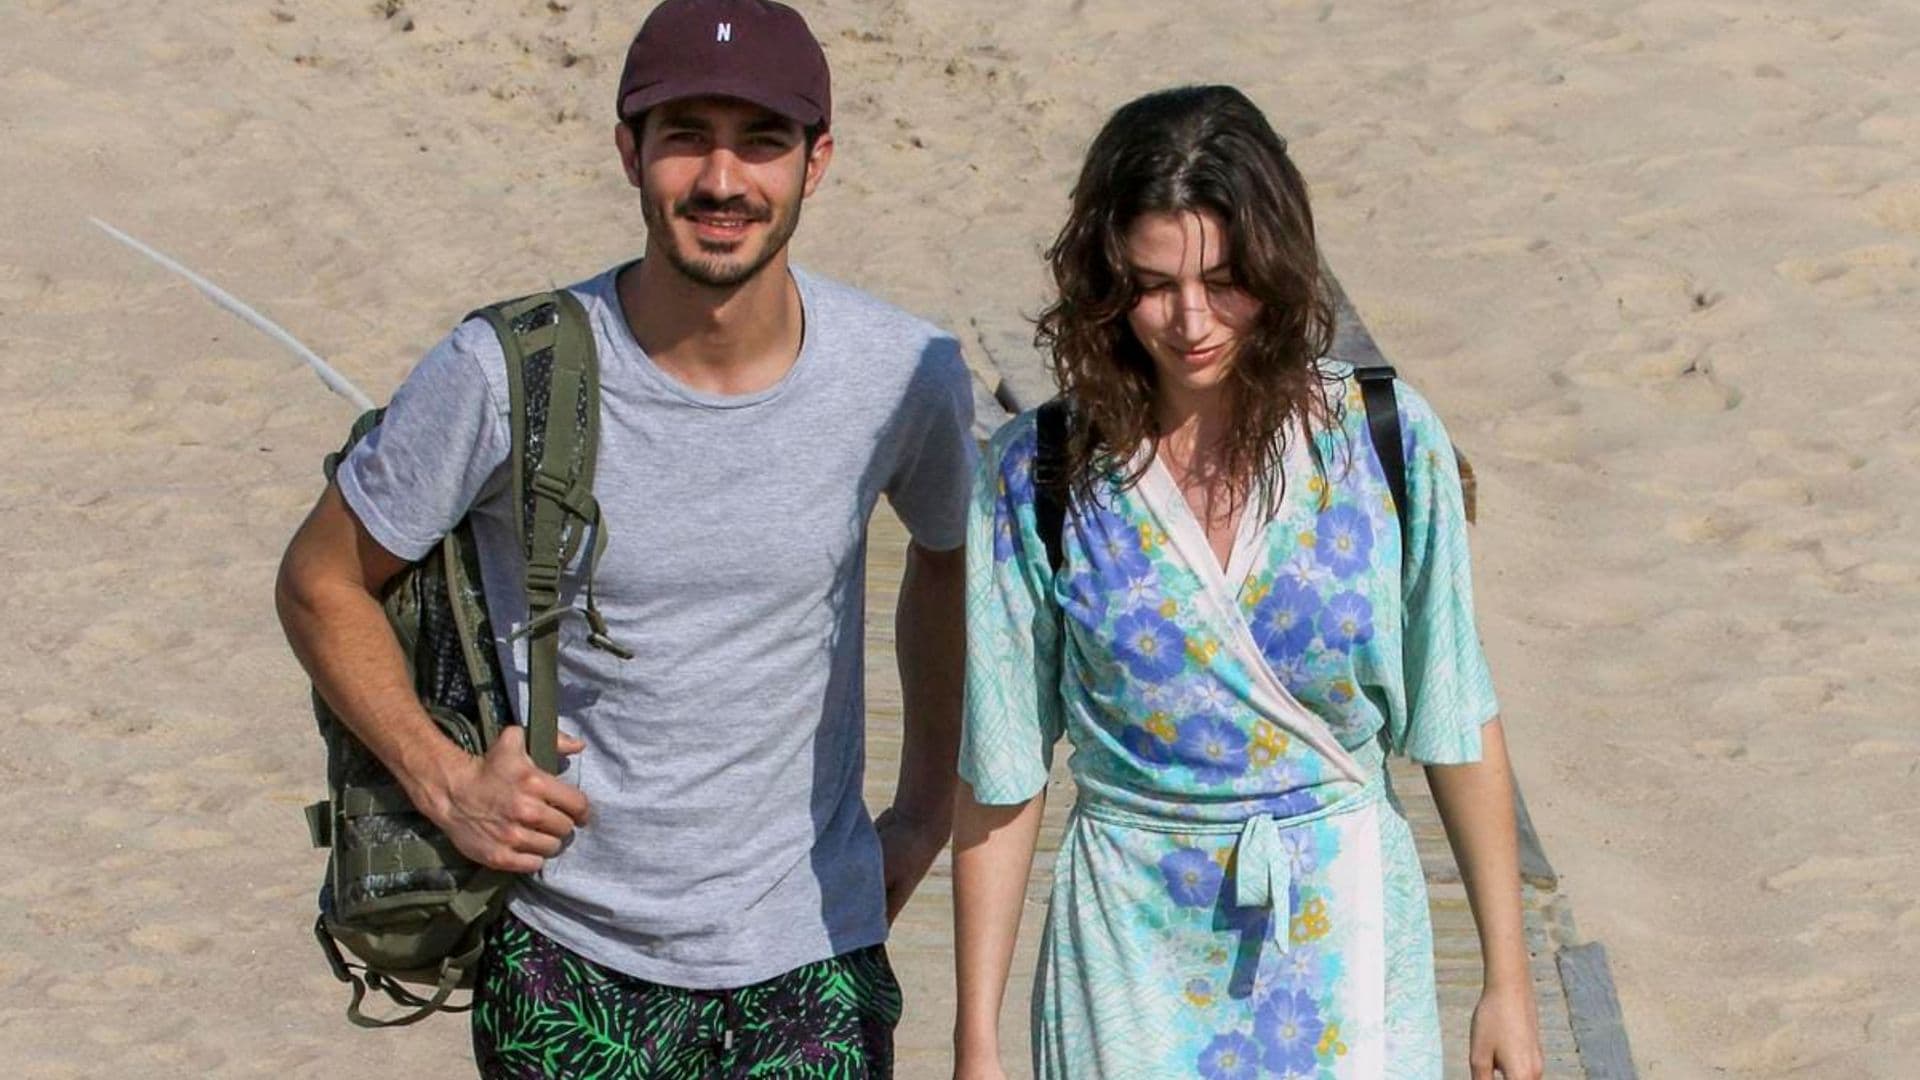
[541,1011]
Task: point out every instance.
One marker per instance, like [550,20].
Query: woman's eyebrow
[1141,271]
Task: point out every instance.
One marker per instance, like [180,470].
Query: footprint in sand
[1846,871]
[1862,275]
[169,940]
[1897,207]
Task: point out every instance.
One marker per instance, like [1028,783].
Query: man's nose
[721,176]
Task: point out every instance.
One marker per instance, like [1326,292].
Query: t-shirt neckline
[621,332]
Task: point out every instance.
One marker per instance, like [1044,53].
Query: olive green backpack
[398,896]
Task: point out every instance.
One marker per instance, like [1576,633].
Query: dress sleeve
[1013,711]
[1449,692]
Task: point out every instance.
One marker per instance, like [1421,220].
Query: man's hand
[907,851]
[504,811]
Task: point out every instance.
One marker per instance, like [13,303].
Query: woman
[1235,637]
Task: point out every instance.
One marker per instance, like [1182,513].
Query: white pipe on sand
[335,381]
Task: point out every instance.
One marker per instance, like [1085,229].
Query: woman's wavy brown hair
[1193,148]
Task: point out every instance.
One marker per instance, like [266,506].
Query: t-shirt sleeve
[443,440]
[1013,715]
[928,486]
[1449,691]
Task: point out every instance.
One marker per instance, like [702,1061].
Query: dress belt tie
[1262,862]
[1263,874]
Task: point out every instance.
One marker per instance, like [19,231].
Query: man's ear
[817,162]
[629,146]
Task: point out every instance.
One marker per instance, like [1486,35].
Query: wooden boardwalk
[922,945]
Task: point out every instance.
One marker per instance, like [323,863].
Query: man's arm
[930,645]
[501,810]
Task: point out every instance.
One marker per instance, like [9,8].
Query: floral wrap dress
[1237,894]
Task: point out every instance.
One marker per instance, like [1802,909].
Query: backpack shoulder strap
[1050,484]
[553,383]
[1383,420]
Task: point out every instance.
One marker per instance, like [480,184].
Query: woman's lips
[1201,357]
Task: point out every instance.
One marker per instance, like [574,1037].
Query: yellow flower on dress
[1307,539]
[1202,650]
[1200,992]
[1168,609]
[1311,924]
[1330,1042]
[1340,691]
[1269,744]
[1160,726]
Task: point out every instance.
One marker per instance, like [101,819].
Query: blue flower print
[1343,540]
[1215,749]
[1283,620]
[1289,1026]
[1303,854]
[1002,532]
[1146,747]
[1152,648]
[1300,968]
[1292,673]
[1232,1056]
[1016,468]
[1113,546]
[1193,878]
[1084,601]
[1210,696]
[1347,621]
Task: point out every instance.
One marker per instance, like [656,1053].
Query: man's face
[721,182]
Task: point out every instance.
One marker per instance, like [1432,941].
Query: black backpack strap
[1383,420]
[1050,486]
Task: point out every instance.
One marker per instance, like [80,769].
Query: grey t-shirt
[728,841]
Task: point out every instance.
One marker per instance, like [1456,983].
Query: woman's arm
[1476,805]
[992,856]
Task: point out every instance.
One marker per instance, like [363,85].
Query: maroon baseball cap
[754,50]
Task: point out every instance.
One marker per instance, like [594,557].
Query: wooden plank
[1535,870]
[1353,343]
[1599,1029]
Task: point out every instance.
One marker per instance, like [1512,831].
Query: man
[706,895]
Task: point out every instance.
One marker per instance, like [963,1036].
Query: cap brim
[797,109]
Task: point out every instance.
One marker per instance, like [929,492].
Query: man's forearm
[339,632]
[930,645]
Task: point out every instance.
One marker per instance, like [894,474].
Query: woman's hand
[1506,1035]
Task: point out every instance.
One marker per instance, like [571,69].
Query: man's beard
[717,270]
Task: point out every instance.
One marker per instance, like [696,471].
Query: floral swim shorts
[542,1011]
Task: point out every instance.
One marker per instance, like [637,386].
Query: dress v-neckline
[1220,589]
[1229,579]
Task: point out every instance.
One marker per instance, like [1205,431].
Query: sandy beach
[1657,264]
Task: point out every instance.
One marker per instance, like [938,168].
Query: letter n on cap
[723,31]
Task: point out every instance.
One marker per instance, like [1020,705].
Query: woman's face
[1191,316]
